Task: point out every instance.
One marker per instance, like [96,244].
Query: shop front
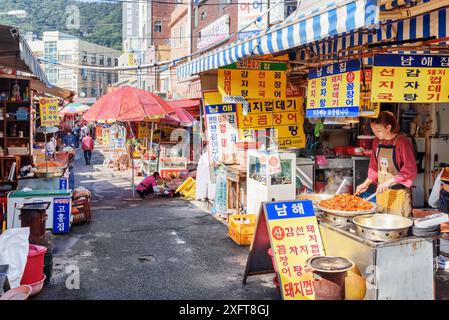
[293,132]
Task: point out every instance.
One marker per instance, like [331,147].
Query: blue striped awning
[394,4]
[333,19]
[430,24]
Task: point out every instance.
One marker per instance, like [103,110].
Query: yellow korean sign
[294,237]
[48,108]
[253,79]
[105,136]
[143,130]
[334,90]
[368,108]
[410,78]
[284,115]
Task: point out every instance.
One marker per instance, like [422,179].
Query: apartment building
[58,47]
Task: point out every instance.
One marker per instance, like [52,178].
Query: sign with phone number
[334,90]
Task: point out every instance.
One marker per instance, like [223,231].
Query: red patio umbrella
[129,104]
[183,116]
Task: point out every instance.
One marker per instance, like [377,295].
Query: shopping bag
[434,197]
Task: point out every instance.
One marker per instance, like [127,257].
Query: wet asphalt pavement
[162,248]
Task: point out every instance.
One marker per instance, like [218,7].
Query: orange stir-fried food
[346,202]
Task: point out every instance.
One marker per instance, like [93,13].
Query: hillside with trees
[99,22]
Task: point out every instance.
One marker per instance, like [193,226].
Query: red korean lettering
[277,117]
[262,120]
[310,228]
[288,290]
[294,250]
[385,96]
[292,116]
[386,84]
[387,72]
[312,237]
[289,232]
[281,249]
[286,270]
[299,231]
[298,270]
[284,260]
[315,249]
[307,287]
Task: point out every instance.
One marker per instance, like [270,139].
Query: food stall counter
[58,213]
[400,269]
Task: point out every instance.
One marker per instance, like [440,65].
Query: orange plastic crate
[241,228]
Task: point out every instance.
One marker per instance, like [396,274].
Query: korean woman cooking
[392,166]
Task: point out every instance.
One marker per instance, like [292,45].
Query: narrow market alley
[161,248]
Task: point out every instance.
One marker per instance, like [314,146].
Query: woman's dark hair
[156,174]
[387,118]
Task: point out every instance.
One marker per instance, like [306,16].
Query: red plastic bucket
[34,267]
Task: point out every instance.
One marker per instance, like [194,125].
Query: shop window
[223,3]
[94,58]
[195,17]
[101,60]
[158,26]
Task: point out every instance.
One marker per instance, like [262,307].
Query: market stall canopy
[59,92]
[74,108]
[192,106]
[129,104]
[15,53]
[41,88]
[183,116]
[185,103]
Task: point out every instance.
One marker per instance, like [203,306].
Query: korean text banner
[48,108]
[221,122]
[334,90]
[143,130]
[253,79]
[368,108]
[284,115]
[410,78]
[295,237]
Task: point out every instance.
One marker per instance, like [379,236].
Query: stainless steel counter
[394,270]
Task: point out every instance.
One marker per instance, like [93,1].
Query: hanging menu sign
[334,90]
[368,108]
[410,78]
[253,79]
[48,108]
[221,122]
[283,115]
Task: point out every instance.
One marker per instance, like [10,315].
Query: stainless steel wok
[382,227]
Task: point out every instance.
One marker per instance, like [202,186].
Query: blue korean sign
[62,183]
[220,108]
[61,215]
[289,209]
[334,90]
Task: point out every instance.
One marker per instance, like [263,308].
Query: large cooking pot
[382,227]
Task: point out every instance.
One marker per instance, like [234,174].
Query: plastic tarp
[204,187]
[14,246]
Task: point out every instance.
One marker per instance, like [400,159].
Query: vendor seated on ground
[146,186]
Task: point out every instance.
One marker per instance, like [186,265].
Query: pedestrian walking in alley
[87,145]
[69,140]
[50,149]
[77,133]
[146,186]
